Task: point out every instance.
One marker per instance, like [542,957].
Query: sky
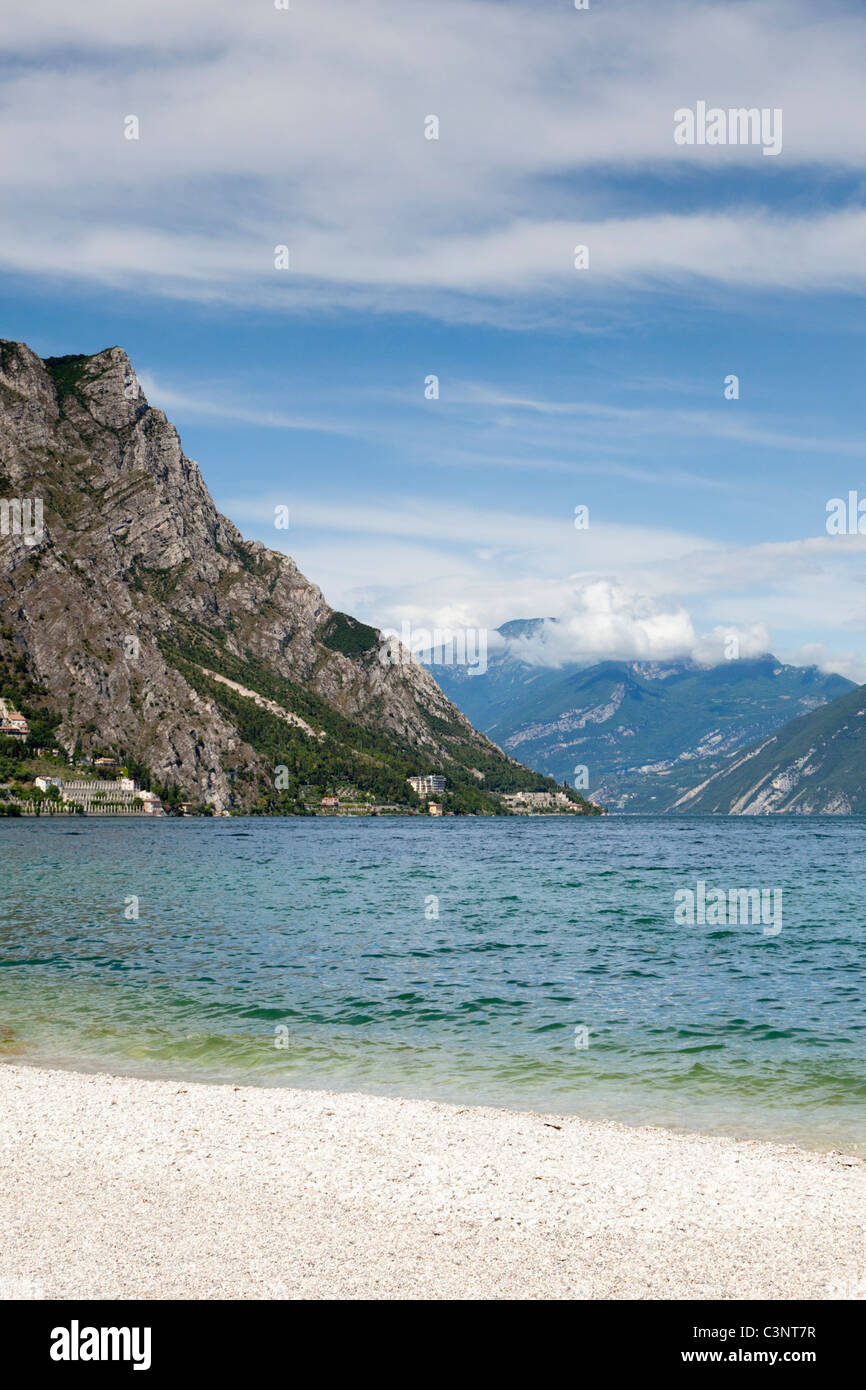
[599,386]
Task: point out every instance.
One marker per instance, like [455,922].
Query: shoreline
[820,1145]
[307,815]
[125,1187]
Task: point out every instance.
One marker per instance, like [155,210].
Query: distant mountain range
[647,733]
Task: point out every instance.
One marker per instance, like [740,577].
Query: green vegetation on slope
[373,763]
[344,634]
[66,372]
[818,759]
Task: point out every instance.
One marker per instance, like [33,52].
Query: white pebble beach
[116,1187]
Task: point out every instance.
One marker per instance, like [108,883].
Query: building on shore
[432,784]
[104,797]
[12,724]
[530,803]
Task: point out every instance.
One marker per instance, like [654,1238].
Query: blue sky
[454,257]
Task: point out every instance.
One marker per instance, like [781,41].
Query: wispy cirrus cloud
[203,407]
[305,127]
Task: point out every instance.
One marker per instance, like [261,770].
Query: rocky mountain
[135,619]
[645,732]
[815,765]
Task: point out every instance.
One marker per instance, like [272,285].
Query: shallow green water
[326,930]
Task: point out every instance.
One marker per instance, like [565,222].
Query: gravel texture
[116,1187]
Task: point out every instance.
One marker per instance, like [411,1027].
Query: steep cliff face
[154,628]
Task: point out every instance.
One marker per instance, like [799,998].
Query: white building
[432,784]
[528,802]
[100,796]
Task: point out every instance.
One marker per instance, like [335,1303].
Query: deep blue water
[326,929]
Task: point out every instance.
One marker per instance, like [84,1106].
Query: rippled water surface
[322,935]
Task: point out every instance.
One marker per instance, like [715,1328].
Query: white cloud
[198,407]
[609,622]
[619,592]
[305,127]
[846,663]
[540,543]
[731,643]
[630,422]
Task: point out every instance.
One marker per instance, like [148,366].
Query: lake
[531,963]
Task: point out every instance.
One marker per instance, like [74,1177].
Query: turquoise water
[326,929]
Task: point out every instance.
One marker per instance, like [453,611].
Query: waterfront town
[90,789]
[347,803]
[101,786]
